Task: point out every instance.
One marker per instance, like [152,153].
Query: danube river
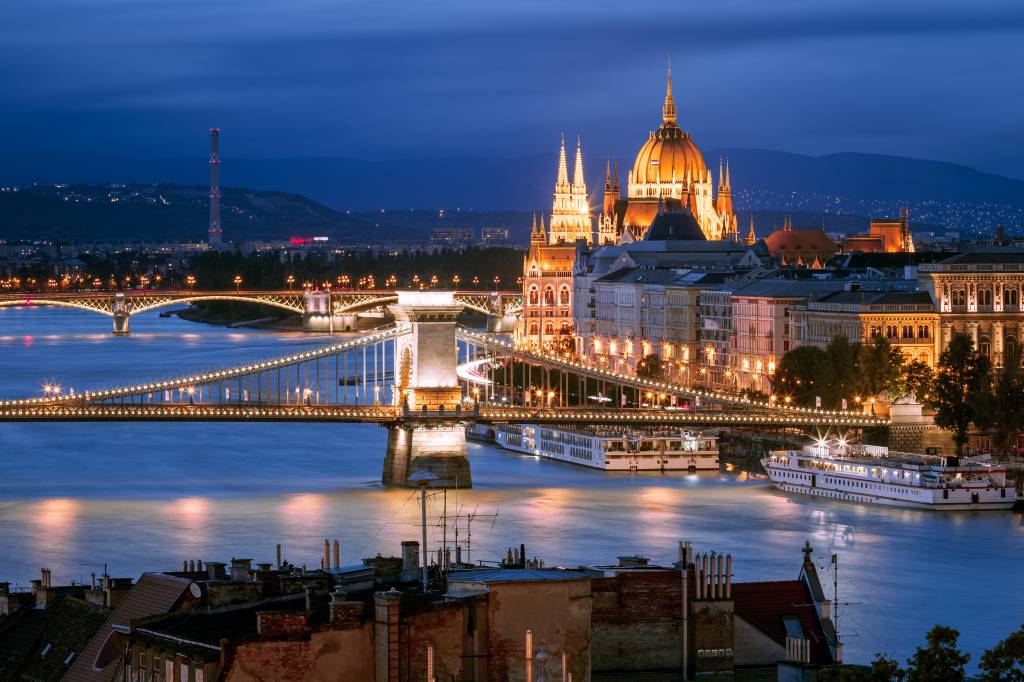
[141,497]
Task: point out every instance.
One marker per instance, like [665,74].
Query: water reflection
[146,496]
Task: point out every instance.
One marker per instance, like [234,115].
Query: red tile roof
[153,594]
[805,242]
[765,604]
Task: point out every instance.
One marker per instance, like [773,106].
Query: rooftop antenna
[423,479]
[469,528]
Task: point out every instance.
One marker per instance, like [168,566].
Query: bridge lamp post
[238,282]
[290,281]
[190,281]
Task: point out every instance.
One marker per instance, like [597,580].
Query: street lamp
[238,282]
[290,281]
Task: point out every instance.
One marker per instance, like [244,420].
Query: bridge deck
[381,414]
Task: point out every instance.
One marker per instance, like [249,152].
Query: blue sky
[387,79]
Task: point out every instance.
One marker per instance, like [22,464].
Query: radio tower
[214,234]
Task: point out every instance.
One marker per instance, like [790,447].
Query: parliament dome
[669,154]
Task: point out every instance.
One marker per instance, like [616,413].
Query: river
[143,497]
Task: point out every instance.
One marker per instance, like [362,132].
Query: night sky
[389,80]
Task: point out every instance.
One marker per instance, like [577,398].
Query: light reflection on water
[143,497]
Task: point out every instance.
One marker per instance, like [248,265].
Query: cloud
[392,78]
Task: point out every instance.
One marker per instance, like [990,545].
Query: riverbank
[232,315]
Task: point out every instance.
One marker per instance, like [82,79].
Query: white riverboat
[875,475]
[611,448]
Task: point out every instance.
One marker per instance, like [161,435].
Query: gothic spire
[751,236]
[668,110]
[563,168]
[608,175]
[578,183]
[728,182]
[721,176]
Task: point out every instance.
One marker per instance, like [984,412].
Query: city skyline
[365,82]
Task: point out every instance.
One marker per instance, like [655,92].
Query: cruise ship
[609,448]
[875,475]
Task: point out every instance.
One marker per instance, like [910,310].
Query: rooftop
[514,575]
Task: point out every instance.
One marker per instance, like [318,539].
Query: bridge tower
[121,324]
[431,435]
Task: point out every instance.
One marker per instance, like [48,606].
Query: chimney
[184,565]
[337,553]
[192,566]
[325,563]
[199,565]
[410,560]
[728,576]
[215,570]
[458,555]
[214,233]
[279,555]
[240,569]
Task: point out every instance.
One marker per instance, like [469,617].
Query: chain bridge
[425,379]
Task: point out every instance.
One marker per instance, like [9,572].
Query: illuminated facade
[884,236]
[979,294]
[669,172]
[548,266]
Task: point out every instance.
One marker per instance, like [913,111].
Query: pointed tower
[609,192]
[570,210]
[787,224]
[751,236]
[579,185]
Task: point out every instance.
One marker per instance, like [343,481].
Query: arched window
[563,296]
[1010,345]
[984,346]
[549,295]
[959,297]
[922,357]
[908,331]
[985,297]
[1010,297]
[563,328]
[890,331]
[534,295]
[922,331]
[549,329]
[534,329]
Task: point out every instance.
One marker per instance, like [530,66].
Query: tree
[649,367]
[839,379]
[940,660]
[879,367]
[1005,413]
[1005,661]
[918,380]
[957,381]
[798,375]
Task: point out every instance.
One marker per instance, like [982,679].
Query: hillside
[169,212]
[525,183]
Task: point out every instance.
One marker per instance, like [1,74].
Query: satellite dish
[422,477]
[195,590]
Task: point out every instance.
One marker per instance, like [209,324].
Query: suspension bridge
[426,379]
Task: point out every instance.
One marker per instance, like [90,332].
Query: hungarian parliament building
[666,272]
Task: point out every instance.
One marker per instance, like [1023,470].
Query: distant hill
[870,176]
[171,212]
[526,183]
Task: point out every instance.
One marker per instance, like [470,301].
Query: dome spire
[668,110]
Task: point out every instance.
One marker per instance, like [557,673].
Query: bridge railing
[707,397]
[217,375]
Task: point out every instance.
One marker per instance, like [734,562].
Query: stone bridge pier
[431,436]
[121,315]
[317,315]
